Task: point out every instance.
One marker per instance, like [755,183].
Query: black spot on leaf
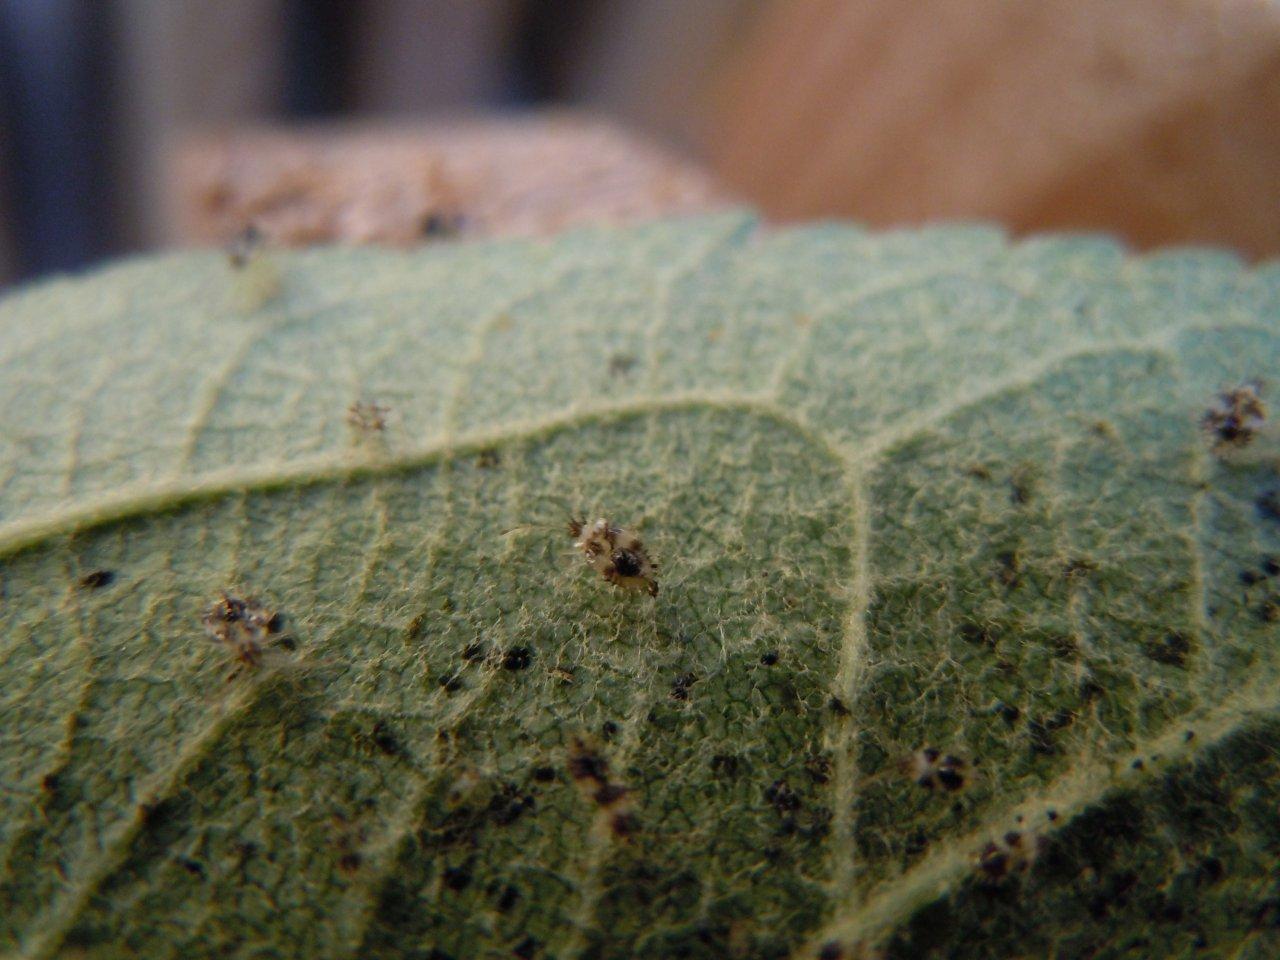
[517,658]
[624,824]
[724,764]
[507,898]
[1268,505]
[1172,649]
[451,683]
[781,797]
[385,739]
[609,793]
[97,579]
[680,686]
[456,878]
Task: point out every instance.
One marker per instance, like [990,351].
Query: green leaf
[909,491]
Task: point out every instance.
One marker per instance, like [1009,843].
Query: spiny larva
[616,553]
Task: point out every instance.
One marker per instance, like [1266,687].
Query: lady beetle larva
[616,553]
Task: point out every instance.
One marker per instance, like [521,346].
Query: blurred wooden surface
[1155,119]
[401,184]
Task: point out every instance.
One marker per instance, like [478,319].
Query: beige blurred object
[401,184]
[1155,119]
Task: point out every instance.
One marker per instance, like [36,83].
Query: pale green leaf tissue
[915,490]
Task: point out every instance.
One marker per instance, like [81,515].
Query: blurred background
[132,124]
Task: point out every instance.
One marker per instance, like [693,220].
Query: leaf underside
[911,490]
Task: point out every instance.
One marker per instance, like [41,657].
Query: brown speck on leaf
[414,630]
[244,245]
[724,764]
[781,797]
[1078,567]
[1008,568]
[349,863]
[993,861]
[97,579]
[1024,483]
[1105,429]
[1268,505]
[385,740]
[978,471]
[441,224]
[587,764]
[680,686]
[1012,853]
[818,766]
[608,794]
[366,416]
[621,364]
[624,824]
[1236,416]
[977,633]
[1172,649]
[243,626]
